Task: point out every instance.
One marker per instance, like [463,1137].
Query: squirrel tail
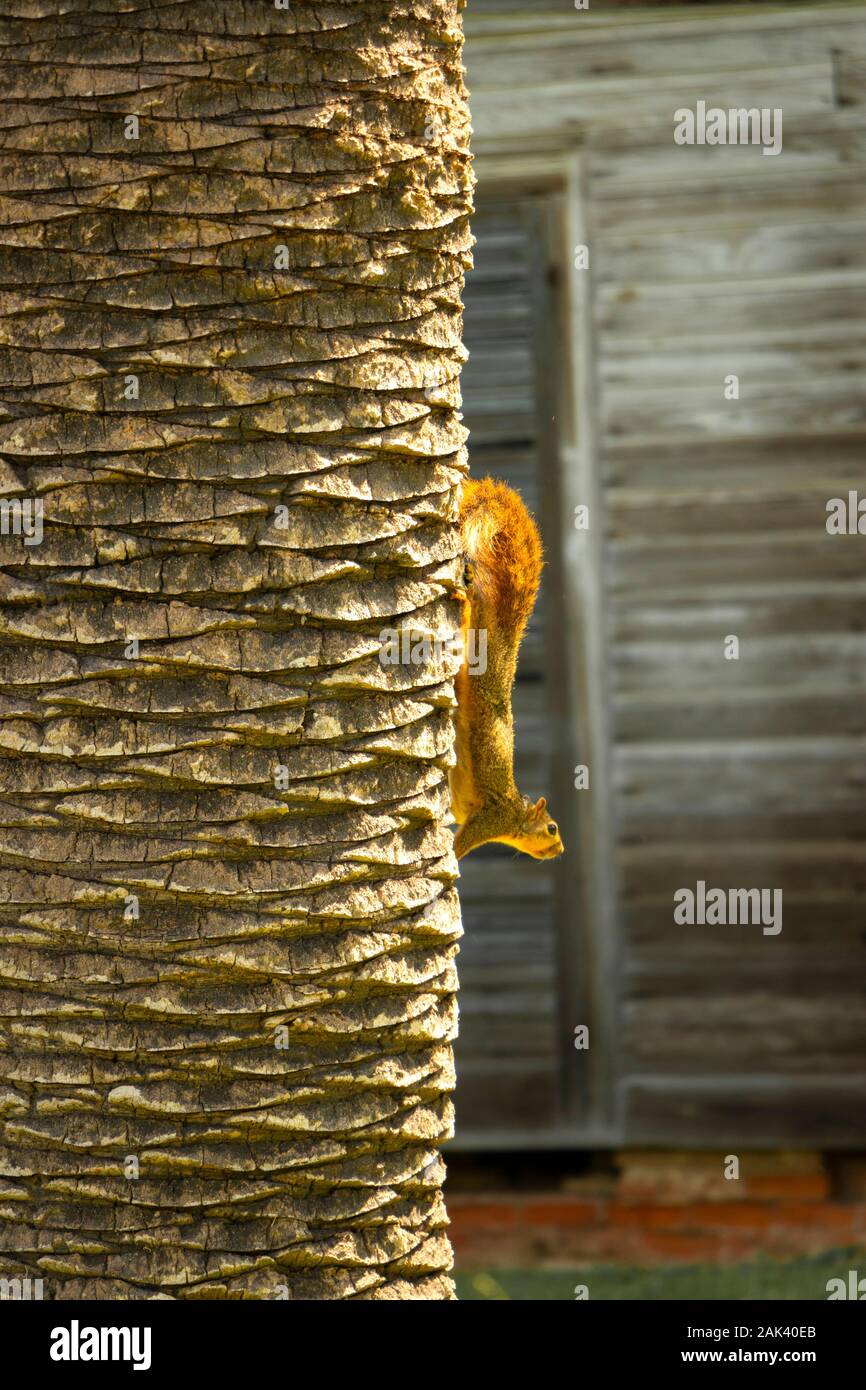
[504,548]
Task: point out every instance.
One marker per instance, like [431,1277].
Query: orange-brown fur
[504,560]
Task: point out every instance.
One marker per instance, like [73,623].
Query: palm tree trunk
[228,917]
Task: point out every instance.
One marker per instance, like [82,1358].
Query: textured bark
[325,904]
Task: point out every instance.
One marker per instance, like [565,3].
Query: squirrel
[502,570]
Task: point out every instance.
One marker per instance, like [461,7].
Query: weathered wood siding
[707,261]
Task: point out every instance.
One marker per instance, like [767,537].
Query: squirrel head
[537,835]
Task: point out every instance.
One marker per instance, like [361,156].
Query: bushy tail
[502,544]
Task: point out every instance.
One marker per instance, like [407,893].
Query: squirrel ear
[539,809]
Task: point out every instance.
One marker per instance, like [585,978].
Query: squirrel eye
[551,829]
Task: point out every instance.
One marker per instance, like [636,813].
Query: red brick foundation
[664,1208]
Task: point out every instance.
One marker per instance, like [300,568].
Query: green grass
[805,1277]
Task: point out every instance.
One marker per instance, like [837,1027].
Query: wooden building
[605,387]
